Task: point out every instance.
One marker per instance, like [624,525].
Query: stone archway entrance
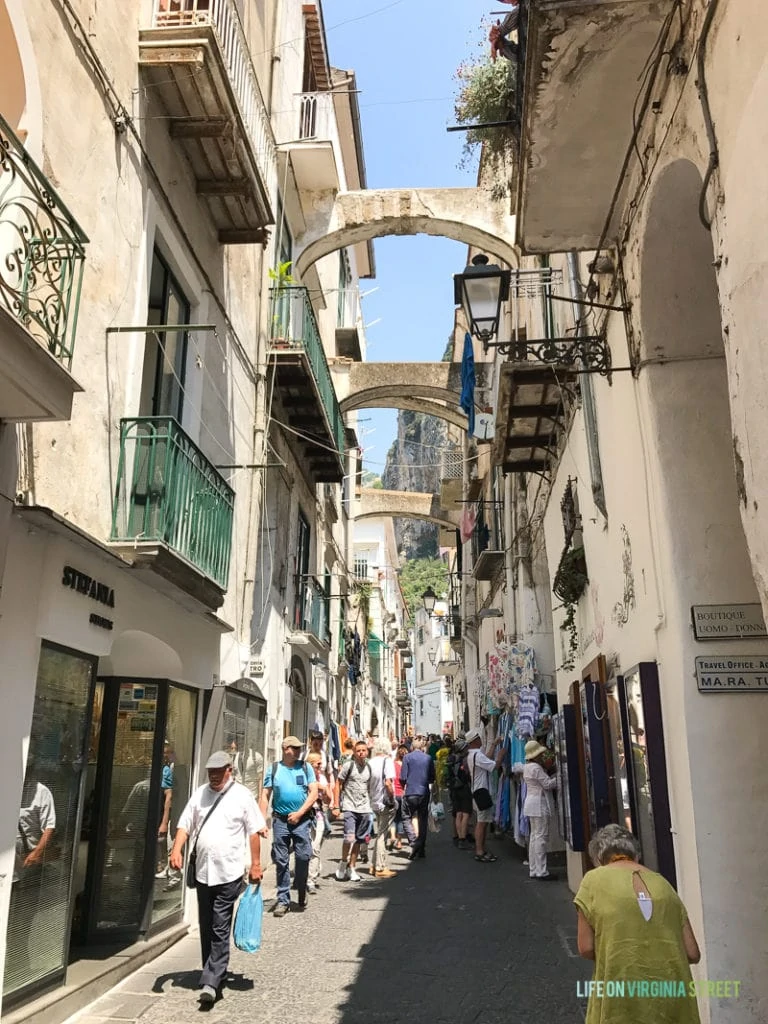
[704,560]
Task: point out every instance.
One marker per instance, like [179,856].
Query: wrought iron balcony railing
[168,492]
[223,16]
[589,353]
[294,327]
[42,251]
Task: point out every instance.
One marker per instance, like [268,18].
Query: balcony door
[302,604]
[165,351]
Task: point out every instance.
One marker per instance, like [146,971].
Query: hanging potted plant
[281,296]
[570,582]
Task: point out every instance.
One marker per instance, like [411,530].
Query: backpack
[299,764]
[458,775]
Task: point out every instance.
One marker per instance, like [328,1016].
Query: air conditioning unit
[256,667]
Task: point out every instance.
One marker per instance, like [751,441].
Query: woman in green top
[632,923]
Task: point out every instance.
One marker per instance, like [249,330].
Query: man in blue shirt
[292,786]
[416,777]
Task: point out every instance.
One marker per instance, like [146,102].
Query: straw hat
[534,749]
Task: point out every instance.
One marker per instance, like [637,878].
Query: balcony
[303,379]
[196,59]
[312,156]
[529,415]
[42,255]
[451,478]
[311,620]
[487,546]
[350,332]
[582,64]
[172,511]
[445,662]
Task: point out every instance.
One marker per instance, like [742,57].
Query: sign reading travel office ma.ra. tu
[737,674]
[728,621]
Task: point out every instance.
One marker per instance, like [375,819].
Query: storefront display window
[48,827]
[176,777]
[640,771]
[130,811]
[619,754]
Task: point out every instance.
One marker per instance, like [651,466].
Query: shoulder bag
[482,796]
[191,876]
[388,798]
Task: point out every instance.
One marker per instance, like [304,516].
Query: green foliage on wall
[417,575]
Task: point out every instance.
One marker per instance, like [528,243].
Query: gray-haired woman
[632,923]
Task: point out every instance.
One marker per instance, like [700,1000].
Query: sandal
[486,858]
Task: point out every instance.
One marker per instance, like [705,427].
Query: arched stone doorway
[703,560]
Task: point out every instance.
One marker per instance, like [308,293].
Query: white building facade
[174,531]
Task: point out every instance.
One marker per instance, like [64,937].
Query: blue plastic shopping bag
[248,920]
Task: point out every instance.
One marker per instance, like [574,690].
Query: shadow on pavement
[461,941]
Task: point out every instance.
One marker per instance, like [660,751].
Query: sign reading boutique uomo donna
[741,674]
[728,621]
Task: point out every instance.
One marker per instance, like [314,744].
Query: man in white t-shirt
[381,789]
[220,861]
[480,765]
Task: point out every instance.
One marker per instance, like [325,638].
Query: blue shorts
[356,826]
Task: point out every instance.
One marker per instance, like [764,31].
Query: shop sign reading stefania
[89,587]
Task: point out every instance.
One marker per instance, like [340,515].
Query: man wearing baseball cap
[292,785]
[480,765]
[217,849]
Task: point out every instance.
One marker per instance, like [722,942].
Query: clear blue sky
[405,55]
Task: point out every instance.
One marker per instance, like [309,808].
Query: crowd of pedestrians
[387,794]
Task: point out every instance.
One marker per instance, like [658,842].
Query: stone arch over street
[374,503]
[444,212]
[429,388]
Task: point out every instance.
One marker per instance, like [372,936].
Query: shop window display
[38,924]
[176,776]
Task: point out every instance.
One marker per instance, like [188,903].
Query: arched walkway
[451,414]
[374,503]
[445,212]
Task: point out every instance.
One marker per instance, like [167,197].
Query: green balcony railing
[42,251]
[294,327]
[168,492]
[312,612]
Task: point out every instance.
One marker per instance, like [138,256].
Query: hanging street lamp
[429,597]
[480,291]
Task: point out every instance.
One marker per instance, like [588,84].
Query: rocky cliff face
[413,464]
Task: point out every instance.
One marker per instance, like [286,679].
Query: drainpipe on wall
[587,395]
[510,552]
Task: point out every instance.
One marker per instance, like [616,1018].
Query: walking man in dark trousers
[218,847]
[417,777]
[292,785]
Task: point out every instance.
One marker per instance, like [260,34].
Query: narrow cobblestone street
[448,937]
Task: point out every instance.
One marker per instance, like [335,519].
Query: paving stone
[455,941]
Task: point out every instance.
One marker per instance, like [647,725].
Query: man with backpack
[352,798]
[293,788]
[460,792]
